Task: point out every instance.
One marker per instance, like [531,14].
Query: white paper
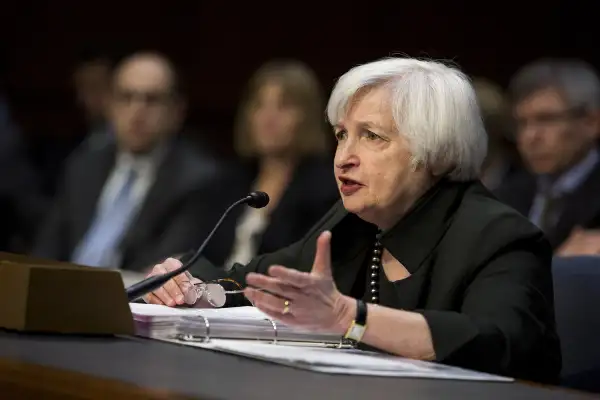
[154,310]
[345,361]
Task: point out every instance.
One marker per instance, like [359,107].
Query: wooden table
[73,367]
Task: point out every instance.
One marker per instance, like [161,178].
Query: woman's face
[274,121]
[375,175]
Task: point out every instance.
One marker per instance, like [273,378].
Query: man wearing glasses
[136,197]
[556,105]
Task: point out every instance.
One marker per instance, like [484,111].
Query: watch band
[359,325]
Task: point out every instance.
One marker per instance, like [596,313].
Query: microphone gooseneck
[135,291]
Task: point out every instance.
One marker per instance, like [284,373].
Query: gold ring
[286,307]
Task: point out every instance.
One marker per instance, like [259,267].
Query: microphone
[254,200]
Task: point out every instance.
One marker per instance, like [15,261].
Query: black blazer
[582,207]
[171,220]
[311,192]
[480,275]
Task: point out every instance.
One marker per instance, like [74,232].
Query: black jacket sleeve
[506,316]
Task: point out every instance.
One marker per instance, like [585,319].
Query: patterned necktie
[100,243]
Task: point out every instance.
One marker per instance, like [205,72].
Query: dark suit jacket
[22,202]
[582,207]
[311,192]
[480,275]
[22,205]
[171,220]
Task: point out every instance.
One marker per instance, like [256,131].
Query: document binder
[243,323]
[344,361]
[247,332]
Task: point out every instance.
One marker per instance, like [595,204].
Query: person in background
[556,104]
[502,160]
[137,198]
[284,149]
[22,201]
[418,259]
[92,83]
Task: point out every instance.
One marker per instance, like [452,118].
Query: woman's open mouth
[349,186]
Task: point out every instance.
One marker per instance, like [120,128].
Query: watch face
[215,294]
[356,332]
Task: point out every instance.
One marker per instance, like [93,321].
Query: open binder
[239,323]
[247,332]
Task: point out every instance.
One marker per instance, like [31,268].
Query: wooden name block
[45,296]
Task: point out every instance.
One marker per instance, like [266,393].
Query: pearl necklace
[375,269]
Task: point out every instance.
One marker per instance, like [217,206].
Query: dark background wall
[219,43]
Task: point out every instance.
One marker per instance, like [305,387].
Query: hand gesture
[309,300]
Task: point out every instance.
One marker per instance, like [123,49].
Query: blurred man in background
[92,83]
[138,198]
[557,106]
[91,79]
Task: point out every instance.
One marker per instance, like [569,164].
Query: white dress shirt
[252,223]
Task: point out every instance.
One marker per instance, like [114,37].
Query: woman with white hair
[418,259]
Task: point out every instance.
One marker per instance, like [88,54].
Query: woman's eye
[340,135]
[372,136]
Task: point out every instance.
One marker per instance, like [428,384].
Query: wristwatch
[359,325]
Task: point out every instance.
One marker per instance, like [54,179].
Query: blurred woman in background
[281,140]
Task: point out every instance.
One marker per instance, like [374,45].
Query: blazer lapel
[179,173]
[581,207]
[524,195]
[413,240]
[351,239]
[166,186]
[88,189]
[520,195]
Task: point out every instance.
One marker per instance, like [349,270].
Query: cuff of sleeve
[450,331]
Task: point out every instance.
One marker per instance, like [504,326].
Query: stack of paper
[248,332]
[143,311]
[192,324]
[346,361]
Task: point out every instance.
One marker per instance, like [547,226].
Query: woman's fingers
[266,301]
[322,263]
[152,299]
[292,277]
[273,285]
[173,292]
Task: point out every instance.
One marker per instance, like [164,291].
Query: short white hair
[434,107]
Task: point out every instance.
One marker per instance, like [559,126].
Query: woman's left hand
[308,300]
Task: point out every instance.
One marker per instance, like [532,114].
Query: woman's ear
[416,164]
[442,170]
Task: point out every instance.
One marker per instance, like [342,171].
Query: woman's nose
[345,160]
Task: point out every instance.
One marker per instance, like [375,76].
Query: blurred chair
[577,297]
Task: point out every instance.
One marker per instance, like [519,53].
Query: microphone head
[258,199]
